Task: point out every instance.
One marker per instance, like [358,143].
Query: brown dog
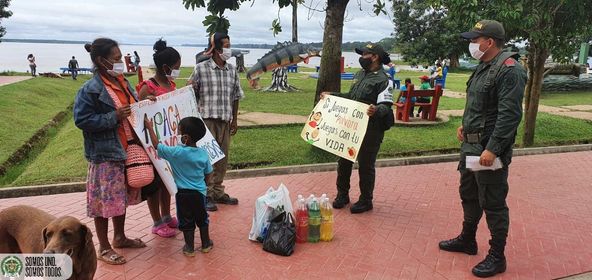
[28,230]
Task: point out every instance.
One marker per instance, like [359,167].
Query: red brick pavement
[550,235]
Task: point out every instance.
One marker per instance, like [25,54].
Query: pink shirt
[154,88]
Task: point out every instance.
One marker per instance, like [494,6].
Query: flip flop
[111,257]
[130,243]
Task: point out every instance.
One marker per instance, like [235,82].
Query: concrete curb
[295,169]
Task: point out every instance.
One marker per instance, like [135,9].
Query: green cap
[377,50]
[487,28]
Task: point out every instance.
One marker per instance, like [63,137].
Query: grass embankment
[28,105]
[566,98]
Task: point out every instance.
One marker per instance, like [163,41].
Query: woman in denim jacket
[101,109]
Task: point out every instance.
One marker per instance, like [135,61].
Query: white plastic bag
[264,205]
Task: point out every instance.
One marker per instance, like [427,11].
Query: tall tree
[4,13]
[424,33]
[543,25]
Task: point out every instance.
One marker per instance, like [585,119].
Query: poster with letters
[337,125]
[165,114]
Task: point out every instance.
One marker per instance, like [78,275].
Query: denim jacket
[94,114]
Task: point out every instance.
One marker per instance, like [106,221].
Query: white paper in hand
[473,164]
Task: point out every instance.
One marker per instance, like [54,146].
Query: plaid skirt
[107,194]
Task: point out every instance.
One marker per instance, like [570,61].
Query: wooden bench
[429,110]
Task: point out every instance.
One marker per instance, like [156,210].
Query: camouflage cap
[487,28]
[377,50]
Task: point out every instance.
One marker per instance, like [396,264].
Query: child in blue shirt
[191,169]
[403,98]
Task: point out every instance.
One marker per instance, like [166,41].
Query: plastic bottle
[301,220]
[326,220]
[309,200]
[314,221]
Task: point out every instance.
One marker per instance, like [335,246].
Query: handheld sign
[337,125]
[166,113]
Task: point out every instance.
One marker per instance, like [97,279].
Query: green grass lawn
[566,98]
[282,145]
[28,105]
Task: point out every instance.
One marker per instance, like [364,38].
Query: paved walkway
[6,80]
[550,235]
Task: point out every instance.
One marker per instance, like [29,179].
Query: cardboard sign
[166,113]
[337,125]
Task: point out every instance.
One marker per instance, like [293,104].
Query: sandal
[130,243]
[109,256]
[174,223]
[163,231]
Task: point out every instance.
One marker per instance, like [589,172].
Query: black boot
[361,206]
[210,205]
[189,248]
[464,243]
[206,242]
[494,263]
[340,201]
[459,244]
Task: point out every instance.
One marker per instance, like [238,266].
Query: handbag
[139,171]
[281,235]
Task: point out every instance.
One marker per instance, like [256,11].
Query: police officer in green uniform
[492,114]
[371,86]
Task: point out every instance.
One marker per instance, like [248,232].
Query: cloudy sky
[143,21]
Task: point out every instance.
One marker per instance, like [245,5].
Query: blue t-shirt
[189,164]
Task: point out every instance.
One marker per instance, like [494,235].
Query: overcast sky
[144,21]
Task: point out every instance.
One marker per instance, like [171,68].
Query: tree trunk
[329,74]
[295,21]
[538,57]
[279,81]
[454,63]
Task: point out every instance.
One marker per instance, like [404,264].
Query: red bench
[429,110]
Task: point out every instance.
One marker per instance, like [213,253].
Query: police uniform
[492,114]
[373,88]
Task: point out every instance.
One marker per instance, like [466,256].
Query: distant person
[128,63]
[136,60]
[168,62]
[73,66]
[436,75]
[402,99]
[425,84]
[32,65]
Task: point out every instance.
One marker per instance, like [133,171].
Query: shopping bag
[281,235]
[273,200]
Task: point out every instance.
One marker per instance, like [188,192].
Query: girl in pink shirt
[168,62]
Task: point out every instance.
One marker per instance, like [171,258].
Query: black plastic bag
[281,235]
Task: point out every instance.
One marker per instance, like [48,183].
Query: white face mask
[476,53]
[117,70]
[174,74]
[226,54]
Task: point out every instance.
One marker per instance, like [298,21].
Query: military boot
[494,263]
[464,243]
[340,201]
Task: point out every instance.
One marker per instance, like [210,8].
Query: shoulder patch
[510,62]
